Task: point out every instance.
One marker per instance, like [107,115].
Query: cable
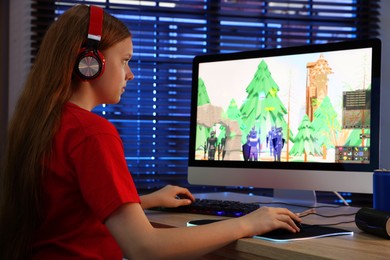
[313,212]
[329,216]
[341,198]
[333,224]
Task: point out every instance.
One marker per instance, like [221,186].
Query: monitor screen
[299,118]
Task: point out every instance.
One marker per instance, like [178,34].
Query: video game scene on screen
[300,108]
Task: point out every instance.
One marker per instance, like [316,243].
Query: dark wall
[4,56]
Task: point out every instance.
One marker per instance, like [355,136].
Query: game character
[212,145]
[254,143]
[278,143]
[270,136]
[221,148]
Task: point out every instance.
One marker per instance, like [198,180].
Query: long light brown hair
[37,115]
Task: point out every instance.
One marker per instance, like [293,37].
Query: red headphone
[90,62]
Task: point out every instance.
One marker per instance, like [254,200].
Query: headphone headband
[95,23]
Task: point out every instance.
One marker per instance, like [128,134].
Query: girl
[65,187]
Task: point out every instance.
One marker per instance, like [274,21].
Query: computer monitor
[300,118]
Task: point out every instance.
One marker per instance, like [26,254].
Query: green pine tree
[263,108]
[202,132]
[354,138]
[305,143]
[233,113]
[326,125]
[203,96]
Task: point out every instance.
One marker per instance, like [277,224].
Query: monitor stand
[297,197]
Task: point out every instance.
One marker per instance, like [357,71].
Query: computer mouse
[284,232]
[299,224]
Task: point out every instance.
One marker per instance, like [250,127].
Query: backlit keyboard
[215,207]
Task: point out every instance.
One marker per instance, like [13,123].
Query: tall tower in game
[316,84]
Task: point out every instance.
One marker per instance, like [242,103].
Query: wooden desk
[358,246]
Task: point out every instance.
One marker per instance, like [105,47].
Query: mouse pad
[307,232]
[281,235]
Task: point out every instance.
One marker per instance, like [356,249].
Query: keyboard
[214,207]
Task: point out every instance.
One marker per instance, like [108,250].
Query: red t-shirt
[86,180]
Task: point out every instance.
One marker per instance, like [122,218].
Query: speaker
[90,61]
[373,221]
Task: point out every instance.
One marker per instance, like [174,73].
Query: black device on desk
[215,207]
[280,235]
[374,221]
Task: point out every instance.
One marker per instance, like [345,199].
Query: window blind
[153,115]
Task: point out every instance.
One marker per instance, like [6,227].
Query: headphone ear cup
[90,64]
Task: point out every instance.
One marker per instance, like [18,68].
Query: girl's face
[111,85]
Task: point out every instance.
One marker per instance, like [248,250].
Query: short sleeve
[103,175]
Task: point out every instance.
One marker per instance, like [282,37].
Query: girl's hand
[170,196]
[266,219]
